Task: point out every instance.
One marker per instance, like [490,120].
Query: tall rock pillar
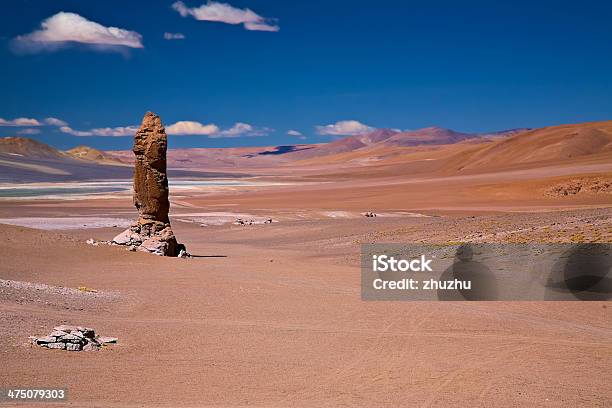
[152,231]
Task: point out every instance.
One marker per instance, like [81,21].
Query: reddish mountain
[427,136]
[26,147]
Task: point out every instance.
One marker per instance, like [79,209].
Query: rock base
[153,237]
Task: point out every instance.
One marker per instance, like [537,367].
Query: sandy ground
[270,315]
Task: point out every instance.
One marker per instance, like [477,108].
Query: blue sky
[248,79]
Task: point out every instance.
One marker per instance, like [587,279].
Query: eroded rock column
[152,231]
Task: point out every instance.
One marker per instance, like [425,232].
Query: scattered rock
[240,221]
[86,289]
[127,237]
[91,347]
[73,347]
[93,242]
[151,232]
[73,338]
[589,186]
[60,346]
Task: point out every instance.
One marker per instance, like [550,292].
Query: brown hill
[91,154]
[556,144]
[86,153]
[26,147]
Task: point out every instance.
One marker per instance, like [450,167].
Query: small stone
[59,346]
[107,340]
[127,237]
[154,245]
[91,347]
[73,347]
[90,241]
[95,342]
[70,337]
[87,333]
[77,333]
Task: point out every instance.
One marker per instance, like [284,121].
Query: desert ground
[270,315]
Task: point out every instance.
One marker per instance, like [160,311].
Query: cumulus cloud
[174,36]
[243,129]
[344,128]
[55,122]
[239,129]
[225,13]
[297,134]
[107,131]
[20,122]
[187,127]
[64,28]
[29,131]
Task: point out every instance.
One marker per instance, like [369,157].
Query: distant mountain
[26,147]
[91,154]
[504,133]
[386,138]
[376,136]
[555,144]
[24,160]
[427,136]
[86,153]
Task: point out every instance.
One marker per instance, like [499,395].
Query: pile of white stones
[73,338]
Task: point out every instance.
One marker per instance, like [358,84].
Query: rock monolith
[151,232]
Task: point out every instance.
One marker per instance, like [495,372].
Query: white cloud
[174,36]
[261,27]
[20,122]
[29,131]
[243,129]
[63,28]
[344,128]
[225,13]
[55,122]
[187,127]
[297,134]
[115,131]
